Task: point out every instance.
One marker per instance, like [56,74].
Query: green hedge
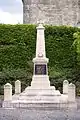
[17,49]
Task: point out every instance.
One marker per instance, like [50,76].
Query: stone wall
[56,12]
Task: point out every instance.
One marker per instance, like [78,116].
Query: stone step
[40,105]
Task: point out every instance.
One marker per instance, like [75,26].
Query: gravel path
[24,114]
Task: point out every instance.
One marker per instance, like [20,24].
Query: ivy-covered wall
[17,49]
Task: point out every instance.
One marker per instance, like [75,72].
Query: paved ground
[25,114]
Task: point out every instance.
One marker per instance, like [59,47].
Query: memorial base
[40,95]
[38,106]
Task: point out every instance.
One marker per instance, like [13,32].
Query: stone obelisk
[40,76]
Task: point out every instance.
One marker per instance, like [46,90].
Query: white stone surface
[71,93]
[65,87]
[40,46]
[52,87]
[64,98]
[40,42]
[17,87]
[40,81]
[7,92]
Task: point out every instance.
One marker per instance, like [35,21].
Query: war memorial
[41,101]
[40,93]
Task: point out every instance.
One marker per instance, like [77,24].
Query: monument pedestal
[37,98]
[40,82]
[40,95]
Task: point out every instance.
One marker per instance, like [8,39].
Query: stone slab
[71,106]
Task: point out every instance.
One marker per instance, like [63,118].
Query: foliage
[76,44]
[17,49]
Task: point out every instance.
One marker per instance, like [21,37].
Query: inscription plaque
[40,69]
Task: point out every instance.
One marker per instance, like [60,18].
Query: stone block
[65,87]
[17,87]
[7,92]
[71,93]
